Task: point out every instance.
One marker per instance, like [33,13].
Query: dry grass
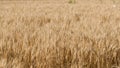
[57,34]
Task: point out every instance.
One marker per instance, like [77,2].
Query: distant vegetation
[72,1]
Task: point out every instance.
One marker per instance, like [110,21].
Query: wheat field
[59,34]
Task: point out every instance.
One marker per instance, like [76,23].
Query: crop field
[59,34]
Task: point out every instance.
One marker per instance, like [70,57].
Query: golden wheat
[56,34]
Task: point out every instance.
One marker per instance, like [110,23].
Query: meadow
[59,34]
